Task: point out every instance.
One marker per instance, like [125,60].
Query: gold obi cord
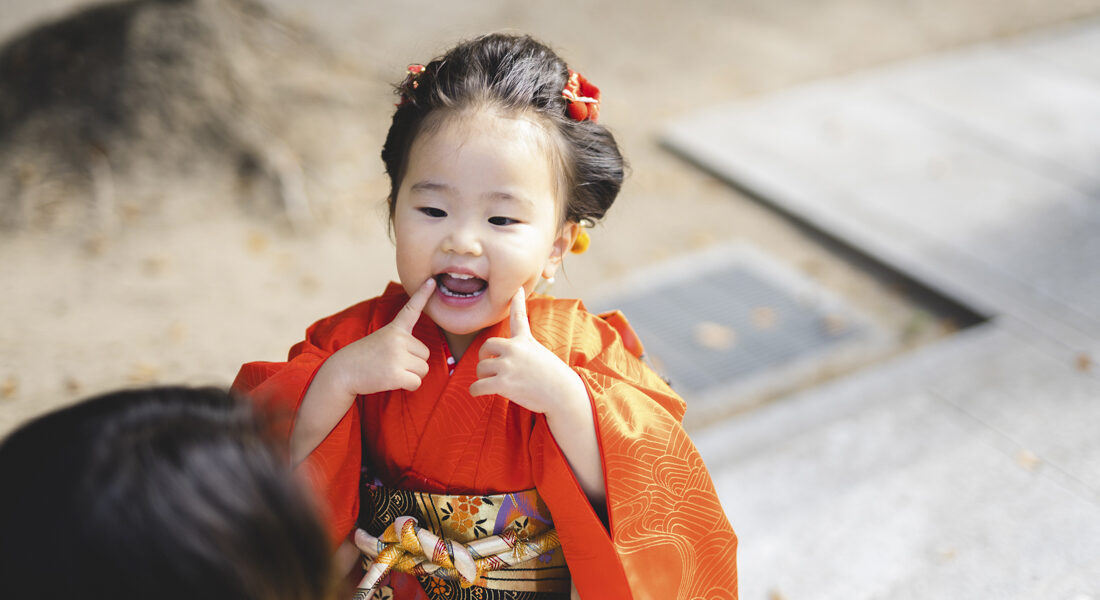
[499,542]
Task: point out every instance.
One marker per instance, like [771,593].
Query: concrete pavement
[969,468]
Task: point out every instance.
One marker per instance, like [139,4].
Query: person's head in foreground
[155,493]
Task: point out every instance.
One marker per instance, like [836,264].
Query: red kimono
[669,537]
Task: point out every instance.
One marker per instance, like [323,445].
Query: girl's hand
[526,372]
[390,358]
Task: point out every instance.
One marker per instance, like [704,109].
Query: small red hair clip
[414,72]
[583,97]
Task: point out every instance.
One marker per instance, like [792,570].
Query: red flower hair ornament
[583,97]
[414,72]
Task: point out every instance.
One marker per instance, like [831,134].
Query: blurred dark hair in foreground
[155,493]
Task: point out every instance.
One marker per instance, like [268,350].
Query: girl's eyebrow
[508,197]
[434,186]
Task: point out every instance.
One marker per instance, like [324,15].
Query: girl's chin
[461,324]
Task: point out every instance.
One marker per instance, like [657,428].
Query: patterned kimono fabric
[508,541]
[662,534]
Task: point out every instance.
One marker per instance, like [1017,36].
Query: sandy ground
[159,301]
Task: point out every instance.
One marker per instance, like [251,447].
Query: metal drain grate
[720,317]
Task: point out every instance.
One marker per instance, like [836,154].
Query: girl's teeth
[449,292]
[461,285]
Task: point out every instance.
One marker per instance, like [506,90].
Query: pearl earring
[544,286]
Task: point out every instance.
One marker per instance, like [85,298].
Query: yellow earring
[581,243]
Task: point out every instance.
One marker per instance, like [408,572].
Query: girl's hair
[520,75]
[156,493]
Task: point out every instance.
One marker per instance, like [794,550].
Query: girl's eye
[502,221]
[433,212]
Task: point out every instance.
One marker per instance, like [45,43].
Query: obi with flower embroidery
[507,540]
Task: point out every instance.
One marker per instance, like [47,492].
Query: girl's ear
[566,236]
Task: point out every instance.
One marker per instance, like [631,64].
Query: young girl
[493,443]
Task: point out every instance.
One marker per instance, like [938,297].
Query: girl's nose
[462,240]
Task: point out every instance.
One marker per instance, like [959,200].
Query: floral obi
[421,545]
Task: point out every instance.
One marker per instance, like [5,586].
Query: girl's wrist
[334,377]
[330,376]
[574,406]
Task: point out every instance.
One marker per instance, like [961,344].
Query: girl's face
[477,211]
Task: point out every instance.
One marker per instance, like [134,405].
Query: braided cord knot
[408,548]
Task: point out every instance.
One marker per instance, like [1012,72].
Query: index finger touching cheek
[518,323]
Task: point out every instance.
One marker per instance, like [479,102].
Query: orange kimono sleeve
[668,536]
[332,469]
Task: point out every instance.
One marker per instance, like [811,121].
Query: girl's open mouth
[460,286]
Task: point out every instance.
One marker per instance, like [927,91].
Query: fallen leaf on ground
[764,317]
[143,373]
[309,284]
[95,246]
[154,266]
[702,239]
[257,242]
[130,211]
[812,267]
[714,336]
[1028,460]
[835,324]
[72,385]
[9,388]
[1084,362]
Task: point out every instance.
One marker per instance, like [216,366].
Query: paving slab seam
[1011,446]
[1069,347]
